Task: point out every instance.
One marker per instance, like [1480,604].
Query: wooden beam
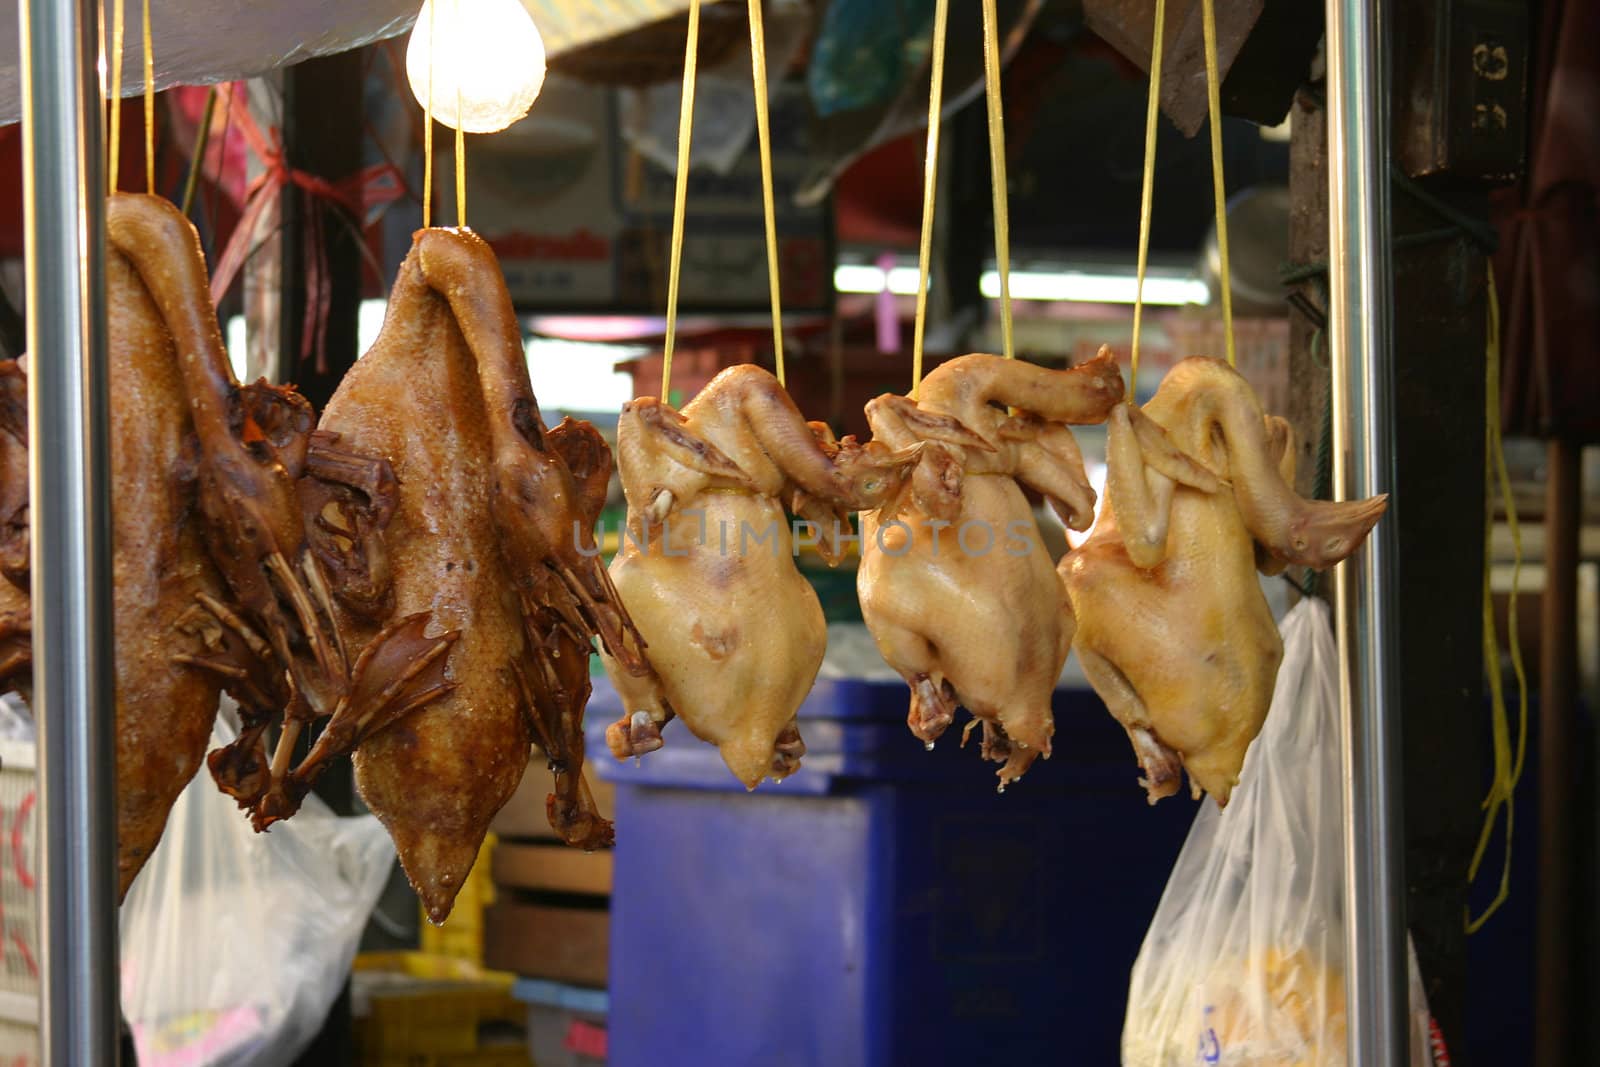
[1554,1021]
[1440,290]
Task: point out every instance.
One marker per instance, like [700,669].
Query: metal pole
[1360,325]
[64,204]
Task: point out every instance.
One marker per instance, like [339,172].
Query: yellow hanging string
[758,73]
[1219,190]
[1508,761]
[461,136]
[427,130]
[114,151]
[1152,112]
[461,175]
[997,169]
[930,185]
[149,107]
[680,196]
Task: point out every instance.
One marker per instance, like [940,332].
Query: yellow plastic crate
[417,1010]
[431,965]
[461,935]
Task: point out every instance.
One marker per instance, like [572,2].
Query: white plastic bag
[1243,964]
[234,943]
[724,101]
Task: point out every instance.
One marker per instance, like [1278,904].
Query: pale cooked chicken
[443,396]
[1174,631]
[735,634]
[955,583]
[271,642]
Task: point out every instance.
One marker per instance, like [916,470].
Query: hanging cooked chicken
[735,633]
[955,583]
[485,534]
[1174,631]
[271,642]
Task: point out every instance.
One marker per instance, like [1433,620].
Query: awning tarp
[199,42]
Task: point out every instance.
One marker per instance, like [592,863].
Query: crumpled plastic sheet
[202,42]
[724,101]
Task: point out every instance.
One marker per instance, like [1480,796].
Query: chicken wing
[735,633]
[955,583]
[1174,632]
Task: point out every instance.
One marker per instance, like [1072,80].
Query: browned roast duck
[735,633]
[1174,631]
[161,569]
[16,612]
[271,640]
[955,583]
[482,535]
[549,488]
[164,709]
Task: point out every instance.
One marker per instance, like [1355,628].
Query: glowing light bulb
[489,55]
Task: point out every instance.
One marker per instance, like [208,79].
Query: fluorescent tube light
[1079,286]
[1096,288]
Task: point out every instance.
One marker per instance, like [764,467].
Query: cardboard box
[552,868]
[540,941]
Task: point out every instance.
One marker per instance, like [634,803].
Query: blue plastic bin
[883,905]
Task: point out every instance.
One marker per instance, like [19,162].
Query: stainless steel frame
[64,204]
[1361,333]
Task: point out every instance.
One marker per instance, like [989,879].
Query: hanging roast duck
[160,567]
[271,639]
[16,611]
[955,583]
[488,533]
[1173,629]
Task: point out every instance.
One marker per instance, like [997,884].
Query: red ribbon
[359,196]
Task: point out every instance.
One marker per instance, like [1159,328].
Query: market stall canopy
[199,42]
